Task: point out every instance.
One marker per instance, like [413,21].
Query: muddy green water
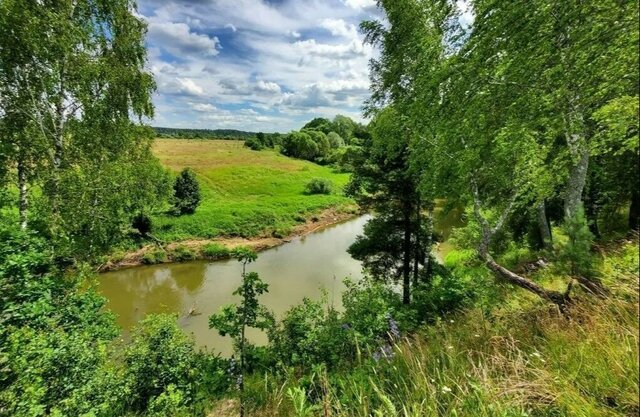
[298,269]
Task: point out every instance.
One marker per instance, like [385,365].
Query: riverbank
[222,247]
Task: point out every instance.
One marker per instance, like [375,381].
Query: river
[298,269]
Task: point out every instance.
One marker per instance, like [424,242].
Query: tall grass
[526,361]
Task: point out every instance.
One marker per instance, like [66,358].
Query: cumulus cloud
[339,27]
[346,50]
[360,4]
[183,86]
[311,96]
[282,62]
[177,39]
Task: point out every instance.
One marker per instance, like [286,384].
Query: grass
[244,193]
[528,360]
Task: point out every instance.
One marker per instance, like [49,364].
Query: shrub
[153,257]
[576,254]
[215,251]
[319,186]
[311,334]
[186,192]
[182,253]
[300,145]
[142,223]
[254,144]
[160,365]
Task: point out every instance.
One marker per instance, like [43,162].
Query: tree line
[181,133]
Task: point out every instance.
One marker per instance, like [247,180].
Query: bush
[182,254]
[215,251]
[300,145]
[319,186]
[186,192]
[142,223]
[254,144]
[153,257]
[160,365]
[311,334]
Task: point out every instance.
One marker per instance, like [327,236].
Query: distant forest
[230,134]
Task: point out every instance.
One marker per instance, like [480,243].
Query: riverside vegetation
[526,122]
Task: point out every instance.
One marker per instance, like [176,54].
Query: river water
[298,269]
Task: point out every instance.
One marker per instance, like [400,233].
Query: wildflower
[449,347]
[446,389]
[393,327]
[451,321]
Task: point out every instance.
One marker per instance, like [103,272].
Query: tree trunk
[591,208]
[577,175]
[428,267]
[634,210]
[417,249]
[24,195]
[555,297]
[406,262]
[543,224]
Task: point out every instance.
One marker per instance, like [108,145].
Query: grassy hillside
[244,192]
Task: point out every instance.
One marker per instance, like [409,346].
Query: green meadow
[244,193]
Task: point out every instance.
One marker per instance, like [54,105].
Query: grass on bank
[522,358]
[244,192]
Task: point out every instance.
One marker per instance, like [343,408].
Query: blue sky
[257,65]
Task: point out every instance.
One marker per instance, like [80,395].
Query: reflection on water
[293,271]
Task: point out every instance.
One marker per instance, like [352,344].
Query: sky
[256,65]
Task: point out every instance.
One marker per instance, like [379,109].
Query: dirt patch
[317,222]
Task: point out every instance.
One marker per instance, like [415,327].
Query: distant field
[244,192]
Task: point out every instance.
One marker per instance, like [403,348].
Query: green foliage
[142,223]
[318,186]
[300,145]
[227,134]
[312,333]
[156,256]
[182,253]
[54,335]
[335,140]
[254,144]
[186,192]
[162,367]
[576,252]
[215,251]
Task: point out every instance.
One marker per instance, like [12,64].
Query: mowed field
[244,193]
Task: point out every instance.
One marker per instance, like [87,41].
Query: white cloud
[268,87]
[203,107]
[360,4]
[177,39]
[352,49]
[185,86]
[282,65]
[339,27]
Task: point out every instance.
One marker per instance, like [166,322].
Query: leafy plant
[182,253]
[318,186]
[233,319]
[186,192]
